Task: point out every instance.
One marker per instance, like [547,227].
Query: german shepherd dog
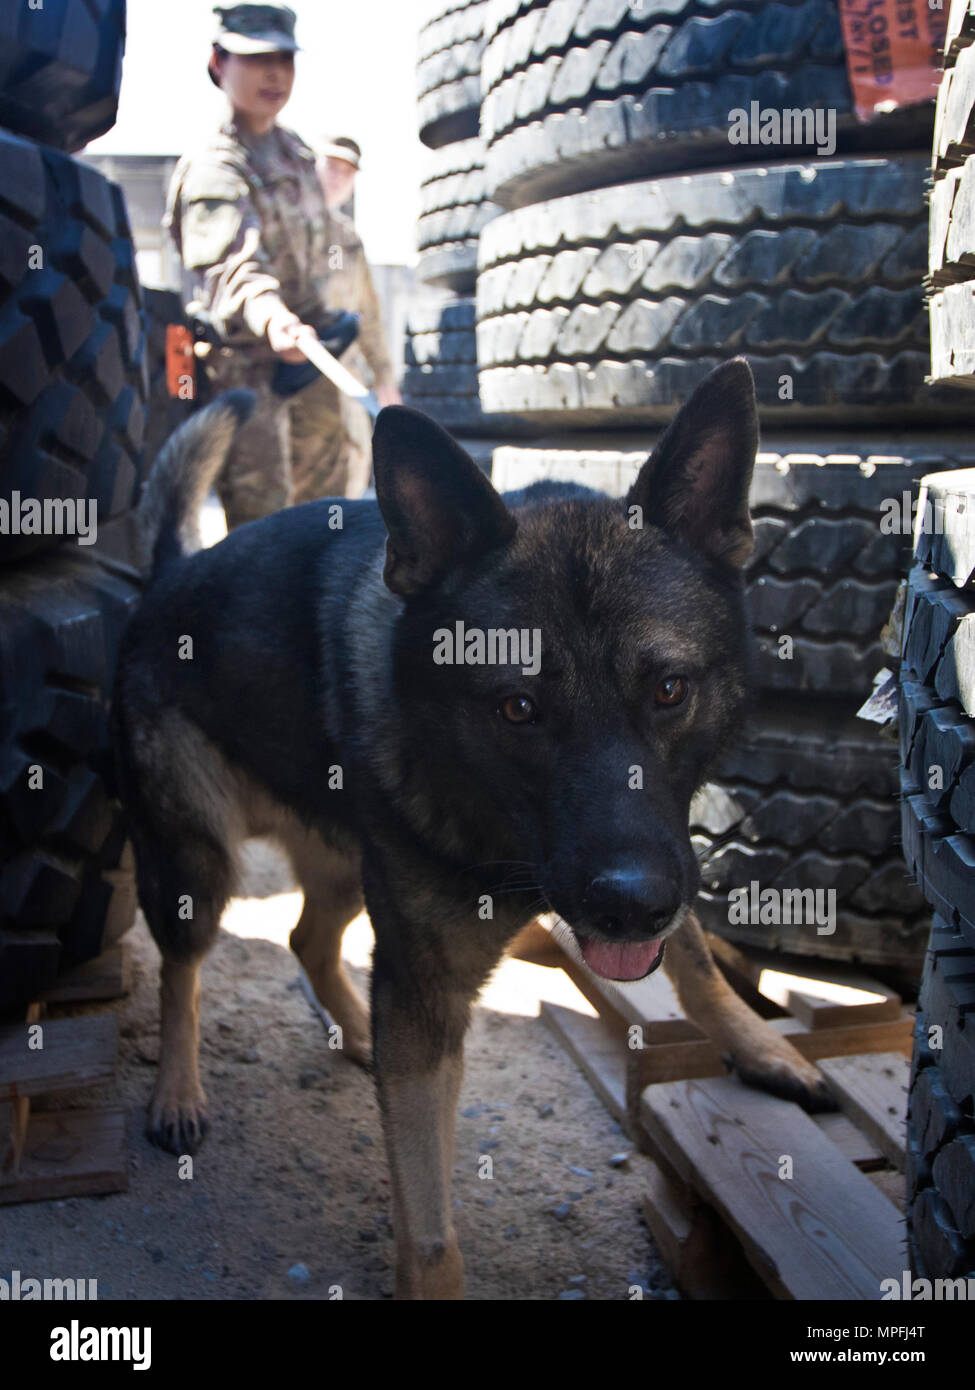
[296,680]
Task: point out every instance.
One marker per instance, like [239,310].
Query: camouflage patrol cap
[247,29]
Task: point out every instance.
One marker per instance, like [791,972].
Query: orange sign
[180,362]
[893,52]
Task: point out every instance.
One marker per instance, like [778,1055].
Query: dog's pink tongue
[628,960]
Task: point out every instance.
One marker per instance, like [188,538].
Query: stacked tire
[72,410]
[937,774]
[441,352]
[952,246]
[639,246]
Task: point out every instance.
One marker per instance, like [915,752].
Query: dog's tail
[167,516]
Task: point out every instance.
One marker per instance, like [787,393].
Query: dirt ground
[289,1195]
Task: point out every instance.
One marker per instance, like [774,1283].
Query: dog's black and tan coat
[253,670]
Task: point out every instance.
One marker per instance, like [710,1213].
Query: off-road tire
[940,1164]
[67,888]
[72,338]
[61,69]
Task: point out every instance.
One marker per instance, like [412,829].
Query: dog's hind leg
[183,890]
[332,886]
[752,1048]
[185,821]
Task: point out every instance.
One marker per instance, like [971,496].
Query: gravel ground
[290,1196]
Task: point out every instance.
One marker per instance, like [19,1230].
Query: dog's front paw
[784,1074]
[177,1125]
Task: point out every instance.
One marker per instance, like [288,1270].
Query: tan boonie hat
[247,29]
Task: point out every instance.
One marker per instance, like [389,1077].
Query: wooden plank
[697,1059]
[649,1004]
[76,1052]
[892,1185]
[19,1113]
[705,1259]
[70,1153]
[873,1092]
[817,994]
[106,977]
[597,1050]
[851,1142]
[535,945]
[824,1233]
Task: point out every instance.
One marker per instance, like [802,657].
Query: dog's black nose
[631,903]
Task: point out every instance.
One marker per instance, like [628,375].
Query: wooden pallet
[63,1153]
[748,1196]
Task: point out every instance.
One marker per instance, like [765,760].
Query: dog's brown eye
[518,709]
[672,691]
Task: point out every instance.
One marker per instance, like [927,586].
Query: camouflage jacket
[248,217]
[350,287]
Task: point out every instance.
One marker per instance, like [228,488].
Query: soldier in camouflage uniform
[248,217]
[345,440]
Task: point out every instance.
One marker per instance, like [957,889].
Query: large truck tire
[61,69]
[449,72]
[73,380]
[605,310]
[937,775]
[67,887]
[581,94]
[832,540]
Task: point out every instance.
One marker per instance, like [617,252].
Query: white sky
[356,76]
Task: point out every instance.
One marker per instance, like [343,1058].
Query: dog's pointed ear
[439,508]
[695,483]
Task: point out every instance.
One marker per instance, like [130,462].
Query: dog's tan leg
[333,897]
[177,1112]
[418,1119]
[759,1054]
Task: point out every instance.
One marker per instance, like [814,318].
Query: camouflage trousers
[290,450]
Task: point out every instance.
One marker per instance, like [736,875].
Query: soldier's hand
[283,332]
[388,395]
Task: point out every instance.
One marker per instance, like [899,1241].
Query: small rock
[363,1138]
[618,1160]
[570,1295]
[299,1273]
[370,1237]
[545,1110]
[574,1196]
[580,1172]
[251,1055]
[562,1211]
[577,1279]
[511,1233]
[224,1025]
[307,1079]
